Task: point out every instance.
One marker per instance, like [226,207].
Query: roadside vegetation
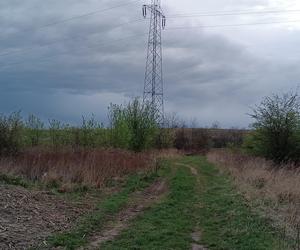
[203,210]
[271,192]
[95,220]
[276,134]
[241,193]
[224,216]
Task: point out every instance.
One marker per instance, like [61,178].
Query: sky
[213,71]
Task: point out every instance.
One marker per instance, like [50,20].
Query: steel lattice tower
[153,85]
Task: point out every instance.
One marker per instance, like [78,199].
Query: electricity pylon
[153,85]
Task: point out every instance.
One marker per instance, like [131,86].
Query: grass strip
[95,220]
[166,225]
[226,220]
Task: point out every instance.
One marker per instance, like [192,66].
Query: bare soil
[28,217]
[140,202]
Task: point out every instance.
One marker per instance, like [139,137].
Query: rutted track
[139,202]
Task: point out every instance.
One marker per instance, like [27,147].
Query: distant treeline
[131,127]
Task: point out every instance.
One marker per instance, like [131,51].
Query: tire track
[139,202]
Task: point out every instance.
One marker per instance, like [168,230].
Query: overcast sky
[80,66]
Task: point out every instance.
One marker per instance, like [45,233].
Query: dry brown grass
[274,191]
[91,167]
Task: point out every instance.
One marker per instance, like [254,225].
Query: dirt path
[196,235]
[139,202]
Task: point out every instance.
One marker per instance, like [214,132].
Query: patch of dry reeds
[91,167]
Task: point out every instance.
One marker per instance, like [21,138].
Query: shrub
[277,127]
[10,134]
[34,127]
[165,138]
[119,129]
[181,141]
[88,132]
[192,139]
[227,138]
[133,126]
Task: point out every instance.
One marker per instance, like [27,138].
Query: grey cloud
[208,74]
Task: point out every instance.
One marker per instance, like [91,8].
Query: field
[138,186]
[180,202]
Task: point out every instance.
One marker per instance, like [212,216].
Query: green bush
[119,128]
[89,132]
[133,126]
[34,129]
[55,132]
[10,134]
[276,134]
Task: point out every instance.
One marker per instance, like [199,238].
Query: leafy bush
[34,127]
[55,128]
[277,128]
[88,132]
[119,129]
[10,134]
[133,126]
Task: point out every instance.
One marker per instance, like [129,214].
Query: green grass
[77,192]
[225,219]
[105,210]
[14,180]
[167,225]
[211,206]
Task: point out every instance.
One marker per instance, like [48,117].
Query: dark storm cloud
[81,66]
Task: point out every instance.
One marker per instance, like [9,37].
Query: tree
[277,127]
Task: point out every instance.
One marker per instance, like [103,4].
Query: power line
[204,14]
[76,17]
[168,29]
[21,51]
[231,25]
[184,15]
[236,11]
[65,53]
[233,13]
[172,28]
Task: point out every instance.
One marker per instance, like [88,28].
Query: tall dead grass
[91,167]
[274,191]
